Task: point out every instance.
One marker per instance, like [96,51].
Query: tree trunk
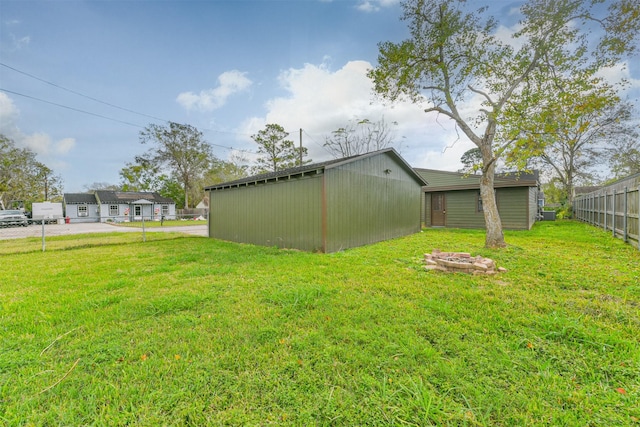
[494,237]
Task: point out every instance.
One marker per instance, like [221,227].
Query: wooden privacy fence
[615,208]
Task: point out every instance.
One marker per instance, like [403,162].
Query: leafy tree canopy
[180,150]
[24,178]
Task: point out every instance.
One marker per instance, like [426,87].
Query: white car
[13,217]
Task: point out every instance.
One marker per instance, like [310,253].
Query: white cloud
[618,73]
[38,142]
[229,83]
[65,145]
[21,42]
[375,5]
[320,101]
[8,113]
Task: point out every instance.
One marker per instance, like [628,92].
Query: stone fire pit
[460,262]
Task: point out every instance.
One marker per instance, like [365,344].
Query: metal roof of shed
[313,169]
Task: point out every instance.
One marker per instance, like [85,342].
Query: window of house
[165,209]
[83,210]
[137,210]
[437,202]
[113,210]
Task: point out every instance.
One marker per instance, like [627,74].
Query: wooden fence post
[605,211]
[626,216]
[614,213]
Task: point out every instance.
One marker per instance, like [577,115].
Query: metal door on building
[438,210]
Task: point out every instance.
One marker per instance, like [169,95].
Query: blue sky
[225,67]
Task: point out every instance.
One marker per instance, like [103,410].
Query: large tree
[624,157]
[569,125]
[23,177]
[275,151]
[359,137]
[144,176]
[456,65]
[623,151]
[140,176]
[182,150]
[581,126]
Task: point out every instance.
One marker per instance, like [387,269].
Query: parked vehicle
[13,217]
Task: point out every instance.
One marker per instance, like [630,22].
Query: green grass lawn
[194,331]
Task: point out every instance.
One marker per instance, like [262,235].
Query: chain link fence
[64,233]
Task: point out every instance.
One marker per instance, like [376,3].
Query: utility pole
[46,187]
[300,164]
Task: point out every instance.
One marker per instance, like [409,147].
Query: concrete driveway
[35,230]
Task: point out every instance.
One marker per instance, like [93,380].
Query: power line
[75,92]
[103,116]
[316,142]
[122,109]
[81,94]
[70,108]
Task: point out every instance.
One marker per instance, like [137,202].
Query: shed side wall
[286,214]
[365,204]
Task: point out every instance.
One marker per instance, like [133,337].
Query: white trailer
[48,211]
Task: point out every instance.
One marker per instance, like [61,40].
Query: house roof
[134,197]
[79,198]
[314,169]
[447,181]
[101,196]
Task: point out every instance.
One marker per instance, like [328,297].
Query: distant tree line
[23,179]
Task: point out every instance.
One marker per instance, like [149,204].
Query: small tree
[276,152]
[359,137]
[226,170]
[182,150]
[471,161]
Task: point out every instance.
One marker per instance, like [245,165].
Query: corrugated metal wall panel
[285,214]
[369,201]
[513,207]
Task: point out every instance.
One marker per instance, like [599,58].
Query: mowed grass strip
[194,331]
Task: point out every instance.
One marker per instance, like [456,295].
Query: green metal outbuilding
[321,207]
[452,199]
